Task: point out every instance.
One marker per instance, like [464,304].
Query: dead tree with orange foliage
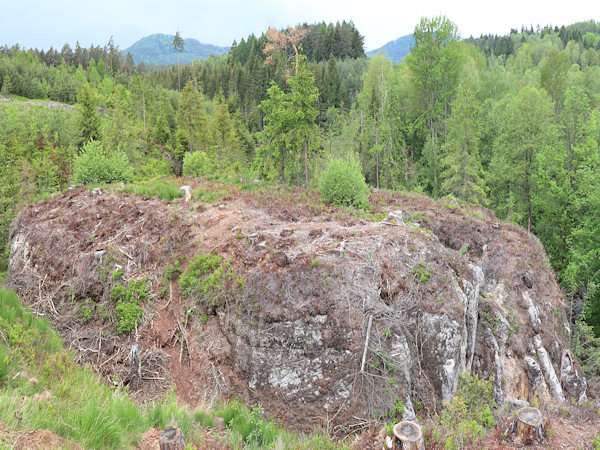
[282,40]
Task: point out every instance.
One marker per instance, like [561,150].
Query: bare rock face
[336,318]
[571,379]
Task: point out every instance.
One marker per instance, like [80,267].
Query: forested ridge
[510,122]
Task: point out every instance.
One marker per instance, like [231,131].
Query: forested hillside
[395,50]
[158,49]
[510,122]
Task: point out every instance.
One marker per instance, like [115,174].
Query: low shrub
[95,166]
[465,419]
[128,309]
[204,277]
[155,188]
[342,183]
[196,164]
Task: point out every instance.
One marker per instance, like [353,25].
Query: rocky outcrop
[336,318]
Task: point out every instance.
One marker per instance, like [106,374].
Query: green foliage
[196,164]
[462,174]
[85,311]
[421,273]
[82,407]
[128,299]
[88,119]
[249,424]
[155,188]
[596,441]
[436,61]
[169,412]
[204,278]
[204,418]
[173,271]
[466,417]
[95,166]
[343,184]
[586,348]
[291,135]
[191,119]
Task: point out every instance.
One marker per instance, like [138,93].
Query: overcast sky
[45,23]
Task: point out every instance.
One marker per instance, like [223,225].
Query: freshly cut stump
[527,427]
[171,439]
[409,436]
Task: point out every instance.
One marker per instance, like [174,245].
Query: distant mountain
[395,50]
[158,49]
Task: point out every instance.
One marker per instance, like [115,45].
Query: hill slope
[158,49]
[283,288]
[395,50]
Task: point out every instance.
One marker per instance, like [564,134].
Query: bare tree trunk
[361,150]
[377,156]
[178,78]
[306,161]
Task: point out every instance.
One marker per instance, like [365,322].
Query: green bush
[197,163]
[128,309]
[95,166]
[342,183]
[204,277]
[466,417]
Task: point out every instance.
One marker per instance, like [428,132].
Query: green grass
[154,188]
[209,196]
[82,409]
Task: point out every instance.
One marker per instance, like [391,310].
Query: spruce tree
[178,46]
[191,119]
[88,119]
[462,173]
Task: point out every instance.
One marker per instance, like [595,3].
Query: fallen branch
[109,359]
[364,357]
[125,253]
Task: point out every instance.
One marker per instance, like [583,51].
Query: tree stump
[527,427]
[135,366]
[409,436]
[171,439]
[188,192]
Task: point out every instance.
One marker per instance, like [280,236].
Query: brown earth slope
[325,319]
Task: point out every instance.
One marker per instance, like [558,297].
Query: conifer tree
[192,117]
[463,176]
[223,139]
[87,114]
[178,45]
[527,127]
